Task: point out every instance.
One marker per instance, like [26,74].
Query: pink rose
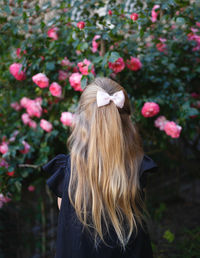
[172,129]
[195,95]
[10,173]
[150,109]
[160,122]
[78,52]
[109,12]
[117,66]
[198,24]
[3,199]
[198,104]
[75,69]
[75,81]
[45,125]
[162,40]
[18,52]
[15,106]
[134,64]
[195,37]
[24,102]
[134,16]
[31,188]
[25,118]
[66,62]
[3,147]
[84,66]
[194,30]
[154,14]
[66,118]
[14,70]
[81,25]
[26,147]
[4,163]
[161,47]
[62,75]
[39,100]
[34,108]
[52,33]
[148,44]
[32,124]
[191,36]
[95,44]
[197,48]
[41,80]
[12,138]
[55,89]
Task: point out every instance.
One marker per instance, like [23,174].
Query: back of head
[106,153]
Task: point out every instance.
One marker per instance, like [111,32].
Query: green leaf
[24,15]
[141,33]
[169,236]
[91,76]
[25,27]
[84,46]
[193,112]
[50,66]
[171,67]
[10,169]
[83,82]
[7,9]
[97,60]
[42,25]
[184,69]
[198,69]
[18,186]
[37,8]
[113,57]
[24,173]
[180,20]
[105,60]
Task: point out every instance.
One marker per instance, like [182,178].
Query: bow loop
[103,98]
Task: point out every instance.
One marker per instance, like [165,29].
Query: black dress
[72,242]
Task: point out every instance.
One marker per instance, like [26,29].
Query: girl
[101,181]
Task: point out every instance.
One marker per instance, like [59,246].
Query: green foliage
[160,211]
[165,78]
[189,245]
[169,236]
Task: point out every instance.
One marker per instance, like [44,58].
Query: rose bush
[152,50]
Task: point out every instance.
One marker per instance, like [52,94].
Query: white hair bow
[103,98]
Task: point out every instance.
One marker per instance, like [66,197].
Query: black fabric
[72,241]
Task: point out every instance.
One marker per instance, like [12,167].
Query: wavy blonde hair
[106,153]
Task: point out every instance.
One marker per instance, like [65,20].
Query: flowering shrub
[151,50]
[150,109]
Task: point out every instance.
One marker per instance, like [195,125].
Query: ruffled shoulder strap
[57,169]
[147,165]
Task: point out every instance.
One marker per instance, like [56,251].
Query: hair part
[106,153]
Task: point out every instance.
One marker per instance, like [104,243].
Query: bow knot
[103,98]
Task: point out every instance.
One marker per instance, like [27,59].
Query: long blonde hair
[106,153]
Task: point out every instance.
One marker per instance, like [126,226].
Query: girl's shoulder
[57,170]
[147,165]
